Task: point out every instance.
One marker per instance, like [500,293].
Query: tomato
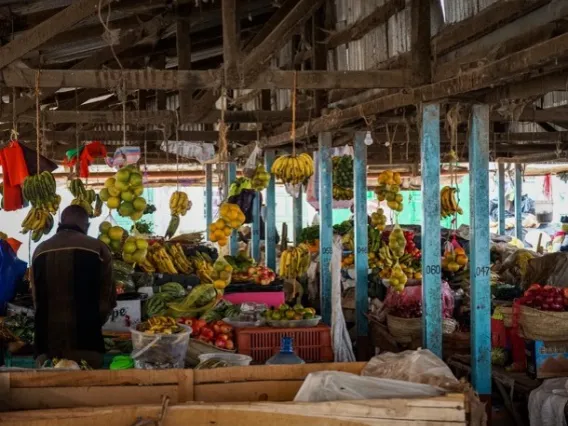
[220,343]
[197,325]
[207,333]
[230,345]
[216,328]
[225,329]
[224,337]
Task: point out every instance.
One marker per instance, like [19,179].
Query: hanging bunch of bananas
[181,262]
[39,190]
[260,178]
[449,203]
[83,197]
[180,203]
[379,220]
[293,169]
[294,262]
[389,189]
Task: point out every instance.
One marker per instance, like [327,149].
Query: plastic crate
[312,344]
[28,361]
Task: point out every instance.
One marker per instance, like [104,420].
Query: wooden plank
[49,28]
[420,41]
[183,48]
[185,390]
[527,89]
[150,135]
[479,78]
[231,38]
[248,391]
[362,26]
[157,79]
[484,22]
[97,396]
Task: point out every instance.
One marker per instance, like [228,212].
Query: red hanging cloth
[15,171]
[88,154]
[547,186]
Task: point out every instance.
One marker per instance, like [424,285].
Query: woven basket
[543,325]
[404,330]
[507,312]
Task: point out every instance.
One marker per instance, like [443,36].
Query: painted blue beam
[479,266]
[361,234]
[208,196]
[234,239]
[501,197]
[325,189]
[519,201]
[270,219]
[297,215]
[255,237]
[431,245]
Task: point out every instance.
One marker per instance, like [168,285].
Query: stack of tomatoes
[546,298]
[217,333]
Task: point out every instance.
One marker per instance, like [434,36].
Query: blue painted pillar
[501,197]
[479,267]
[297,215]
[255,237]
[208,196]
[270,219]
[231,177]
[326,223]
[518,201]
[431,244]
[361,235]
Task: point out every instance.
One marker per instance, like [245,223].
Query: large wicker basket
[404,330]
[543,325]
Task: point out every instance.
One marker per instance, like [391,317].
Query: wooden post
[519,201]
[255,231]
[230,38]
[297,215]
[208,196]
[479,265]
[183,44]
[326,223]
[270,217]
[361,244]
[319,54]
[420,43]
[431,246]
[501,197]
[231,177]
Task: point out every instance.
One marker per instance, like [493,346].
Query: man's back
[73,294]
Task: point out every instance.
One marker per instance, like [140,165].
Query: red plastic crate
[312,344]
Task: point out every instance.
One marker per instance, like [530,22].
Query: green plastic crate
[28,361]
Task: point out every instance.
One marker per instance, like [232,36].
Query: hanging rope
[38,134]
[223,129]
[123,94]
[109,36]
[177,150]
[294,99]
[14,132]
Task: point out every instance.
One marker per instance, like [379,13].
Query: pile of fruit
[112,236]
[546,298]
[348,261]
[157,304]
[199,300]
[123,193]
[238,185]
[134,250]
[379,220]
[285,312]
[449,203]
[179,206]
[216,333]
[397,242]
[407,310]
[389,189]
[294,262]
[293,169]
[85,197]
[221,274]
[166,259]
[231,219]
[39,190]
[342,177]
[399,259]
[159,325]
[260,178]
[454,257]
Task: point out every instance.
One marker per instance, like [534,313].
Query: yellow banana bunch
[39,221]
[179,259]
[147,266]
[293,169]
[161,325]
[448,202]
[294,262]
[161,260]
[180,203]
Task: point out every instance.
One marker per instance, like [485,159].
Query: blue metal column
[361,235]
[231,177]
[208,196]
[479,268]
[326,223]
[431,245]
[297,215]
[501,197]
[255,240]
[518,201]
[270,219]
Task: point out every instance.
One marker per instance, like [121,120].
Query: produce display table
[225,396]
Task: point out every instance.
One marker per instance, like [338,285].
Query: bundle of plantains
[39,190]
[85,197]
[342,177]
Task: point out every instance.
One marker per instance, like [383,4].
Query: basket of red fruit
[543,313]
[404,322]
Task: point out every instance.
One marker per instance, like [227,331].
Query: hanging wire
[177,150]
[38,134]
[294,100]
[124,113]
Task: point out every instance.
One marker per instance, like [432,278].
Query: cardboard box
[126,314]
[546,359]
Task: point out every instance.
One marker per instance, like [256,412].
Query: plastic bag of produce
[339,386]
[420,366]
[397,241]
[411,298]
[221,274]
[250,165]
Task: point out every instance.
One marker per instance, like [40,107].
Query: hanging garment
[86,155]
[14,173]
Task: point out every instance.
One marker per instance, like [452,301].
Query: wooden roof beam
[150,135]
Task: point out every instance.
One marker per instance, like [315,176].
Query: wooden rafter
[183,47]
[150,135]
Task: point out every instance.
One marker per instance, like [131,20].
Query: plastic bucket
[160,351]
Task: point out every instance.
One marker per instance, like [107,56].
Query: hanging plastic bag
[340,386]
[252,161]
[342,348]
[124,156]
[221,274]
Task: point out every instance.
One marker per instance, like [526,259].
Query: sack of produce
[542,313]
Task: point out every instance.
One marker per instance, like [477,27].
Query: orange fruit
[228,231]
[219,234]
[461,260]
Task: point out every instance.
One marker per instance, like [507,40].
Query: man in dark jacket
[73,291]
